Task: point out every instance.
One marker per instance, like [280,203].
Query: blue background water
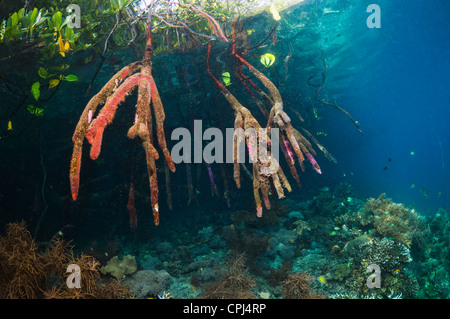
[395,82]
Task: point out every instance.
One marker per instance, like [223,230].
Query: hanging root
[111,95]
[247,128]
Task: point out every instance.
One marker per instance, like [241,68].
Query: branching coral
[236,282]
[22,267]
[28,273]
[393,220]
[297,286]
[392,258]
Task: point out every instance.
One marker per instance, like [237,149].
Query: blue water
[398,89]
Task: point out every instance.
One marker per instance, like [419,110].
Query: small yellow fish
[9,126]
[316,113]
[193,289]
[322,279]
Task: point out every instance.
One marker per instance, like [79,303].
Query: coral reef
[297,286]
[27,272]
[433,259]
[393,220]
[148,283]
[235,281]
[326,258]
[319,248]
[377,232]
[119,268]
[392,258]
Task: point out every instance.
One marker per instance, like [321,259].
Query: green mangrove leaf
[21,13]
[35,20]
[226,78]
[267,59]
[68,33]
[71,78]
[14,19]
[33,15]
[43,73]
[119,4]
[35,90]
[39,111]
[39,19]
[53,83]
[35,110]
[57,20]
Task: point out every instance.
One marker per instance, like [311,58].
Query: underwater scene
[229,149]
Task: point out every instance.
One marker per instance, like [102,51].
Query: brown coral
[296,286]
[235,284]
[393,220]
[29,273]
